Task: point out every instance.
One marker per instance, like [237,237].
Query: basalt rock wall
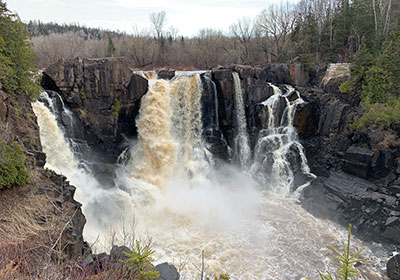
[104,95]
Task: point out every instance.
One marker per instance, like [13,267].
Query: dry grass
[31,231]
[18,216]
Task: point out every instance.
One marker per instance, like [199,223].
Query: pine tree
[17,71]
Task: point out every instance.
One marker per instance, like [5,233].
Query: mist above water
[241,216]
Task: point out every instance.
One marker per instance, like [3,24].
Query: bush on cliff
[17,71]
[12,165]
[380,84]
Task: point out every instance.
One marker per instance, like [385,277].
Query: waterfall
[53,141]
[242,146]
[170,131]
[186,204]
[278,154]
[102,206]
[65,118]
[157,149]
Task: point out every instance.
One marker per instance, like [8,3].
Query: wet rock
[40,159]
[395,189]
[357,161]
[244,71]
[349,199]
[393,267]
[306,119]
[216,143]
[222,74]
[103,94]
[167,272]
[166,74]
[392,229]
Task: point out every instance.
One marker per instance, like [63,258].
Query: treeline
[312,31]
[37,28]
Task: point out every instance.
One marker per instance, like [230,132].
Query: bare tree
[158,21]
[277,22]
[243,31]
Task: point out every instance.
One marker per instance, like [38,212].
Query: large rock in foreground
[393,268]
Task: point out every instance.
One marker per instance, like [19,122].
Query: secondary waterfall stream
[242,218]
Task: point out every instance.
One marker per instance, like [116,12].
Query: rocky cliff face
[357,171]
[44,210]
[104,96]
[358,175]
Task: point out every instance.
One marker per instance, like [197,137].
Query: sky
[187,16]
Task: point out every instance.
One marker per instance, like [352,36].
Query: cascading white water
[186,205]
[242,146]
[278,150]
[100,206]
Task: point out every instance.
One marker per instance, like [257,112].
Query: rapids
[168,190]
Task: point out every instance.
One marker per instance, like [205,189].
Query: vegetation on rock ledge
[377,78]
[12,165]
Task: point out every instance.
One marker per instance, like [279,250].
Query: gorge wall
[358,174]
[42,213]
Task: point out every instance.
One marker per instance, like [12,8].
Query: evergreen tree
[111,47]
[17,71]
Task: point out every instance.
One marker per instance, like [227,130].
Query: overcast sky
[187,16]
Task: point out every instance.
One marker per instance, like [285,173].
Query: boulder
[393,267]
[117,253]
[166,74]
[357,161]
[167,272]
[392,228]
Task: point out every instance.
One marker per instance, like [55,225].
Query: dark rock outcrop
[167,272]
[104,95]
[166,74]
[357,170]
[357,161]
[393,268]
[349,199]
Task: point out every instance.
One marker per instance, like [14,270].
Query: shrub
[346,87]
[139,263]
[382,114]
[347,261]
[115,109]
[12,165]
